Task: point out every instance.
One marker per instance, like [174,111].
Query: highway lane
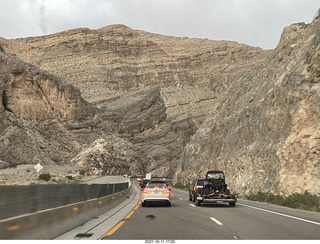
[247,220]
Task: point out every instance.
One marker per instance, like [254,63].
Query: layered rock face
[34,94]
[117,100]
[154,91]
[44,120]
[106,62]
[265,134]
[33,106]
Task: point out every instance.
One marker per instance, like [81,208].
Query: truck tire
[232,204]
[198,202]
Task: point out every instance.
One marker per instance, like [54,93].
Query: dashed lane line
[216,221]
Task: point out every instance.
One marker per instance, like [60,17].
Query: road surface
[185,221]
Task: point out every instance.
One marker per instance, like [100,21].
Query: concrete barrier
[50,223]
[18,200]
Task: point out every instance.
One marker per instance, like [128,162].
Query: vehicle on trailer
[156,192]
[194,185]
[215,190]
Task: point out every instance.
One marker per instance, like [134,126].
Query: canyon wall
[117,100]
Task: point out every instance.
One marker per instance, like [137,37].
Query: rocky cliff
[265,133]
[117,100]
[45,120]
[151,90]
[33,105]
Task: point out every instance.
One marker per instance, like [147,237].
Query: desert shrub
[45,176]
[181,186]
[305,201]
[69,177]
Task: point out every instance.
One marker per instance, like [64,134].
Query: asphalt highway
[246,221]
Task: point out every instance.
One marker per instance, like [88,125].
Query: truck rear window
[200,182]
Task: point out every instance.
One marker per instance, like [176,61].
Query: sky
[253,22]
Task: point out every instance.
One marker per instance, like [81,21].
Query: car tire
[143,204]
[169,204]
[190,197]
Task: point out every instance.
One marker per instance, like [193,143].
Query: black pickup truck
[215,190]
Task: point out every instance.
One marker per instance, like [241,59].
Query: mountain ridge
[179,106]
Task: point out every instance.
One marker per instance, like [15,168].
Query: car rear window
[160,185]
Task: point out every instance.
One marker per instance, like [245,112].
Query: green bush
[69,177]
[305,201]
[45,176]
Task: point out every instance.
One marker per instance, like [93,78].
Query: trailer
[215,190]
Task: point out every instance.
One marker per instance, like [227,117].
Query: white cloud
[254,22]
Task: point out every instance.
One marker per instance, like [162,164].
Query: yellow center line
[115,228]
[136,207]
[129,215]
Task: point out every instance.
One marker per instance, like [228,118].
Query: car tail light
[146,191]
[166,192]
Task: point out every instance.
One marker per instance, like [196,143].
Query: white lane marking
[216,221]
[180,198]
[284,215]
[192,205]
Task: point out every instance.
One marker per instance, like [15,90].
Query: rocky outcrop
[265,134]
[34,106]
[136,112]
[109,156]
[44,120]
[34,94]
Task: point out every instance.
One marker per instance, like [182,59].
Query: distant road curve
[108,179]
